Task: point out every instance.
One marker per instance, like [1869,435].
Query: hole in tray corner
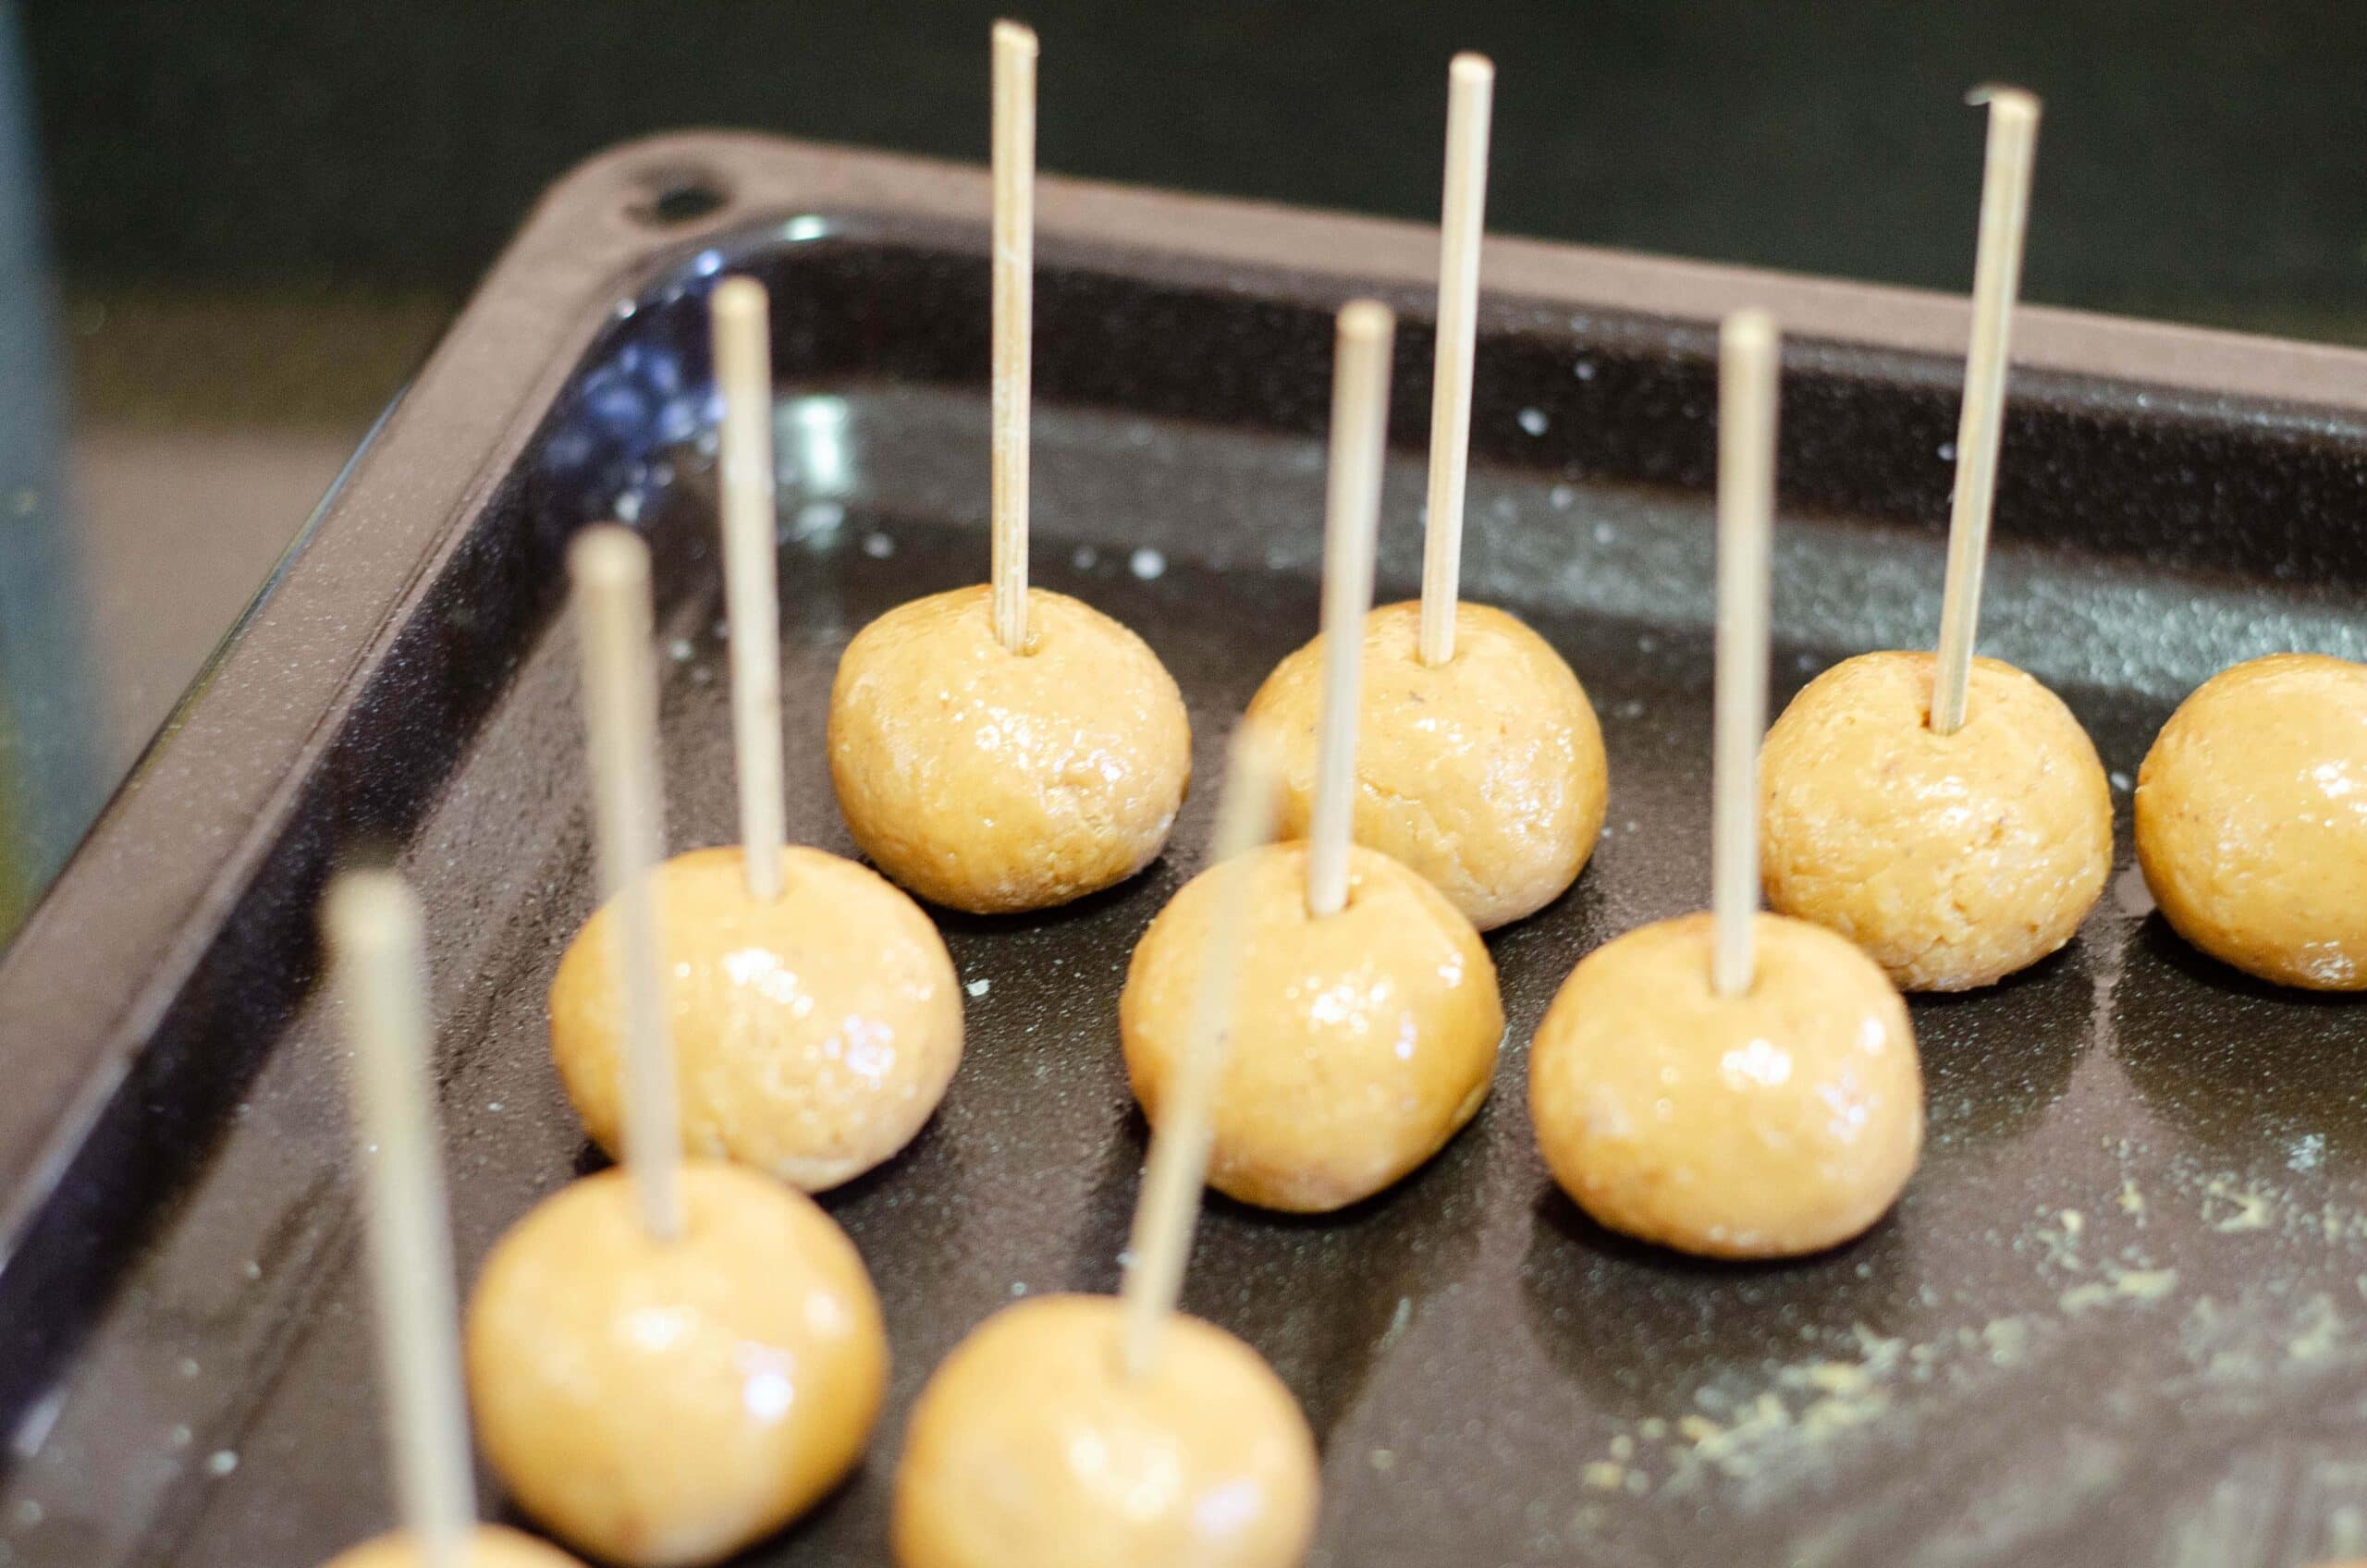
[674,197]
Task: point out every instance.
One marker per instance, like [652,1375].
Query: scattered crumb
[2131,1284]
[979,988]
[1147,564]
[2248,1208]
[221,1461]
[2008,1339]
[1700,1429]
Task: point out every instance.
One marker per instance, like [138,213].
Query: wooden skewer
[1471,87]
[610,567]
[741,328]
[1997,279]
[1014,311]
[1178,1168]
[1351,519]
[1749,358]
[379,968]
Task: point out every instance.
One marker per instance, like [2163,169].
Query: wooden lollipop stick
[380,970]
[1471,87]
[1996,278]
[1178,1168]
[610,567]
[741,327]
[1351,518]
[1749,356]
[1014,311]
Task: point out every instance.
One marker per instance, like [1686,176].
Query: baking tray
[2120,1317]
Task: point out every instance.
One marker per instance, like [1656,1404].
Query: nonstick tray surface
[2120,1317]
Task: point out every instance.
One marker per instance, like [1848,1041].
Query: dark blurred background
[260,215]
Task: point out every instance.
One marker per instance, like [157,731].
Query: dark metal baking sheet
[2121,1316]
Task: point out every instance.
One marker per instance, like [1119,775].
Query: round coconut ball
[1773,1123]
[1953,860]
[1030,1448]
[814,1033]
[1363,1041]
[488,1546]
[665,1404]
[1485,774]
[2251,820]
[993,782]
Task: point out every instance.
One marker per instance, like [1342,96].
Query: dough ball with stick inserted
[1485,774]
[814,1032]
[1032,1448]
[664,1402]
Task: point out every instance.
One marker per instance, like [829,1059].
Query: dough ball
[1953,860]
[812,1034]
[665,1404]
[1772,1124]
[2251,820]
[1030,1449]
[489,1546]
[1485,775]
[994,782]
[1362,1042]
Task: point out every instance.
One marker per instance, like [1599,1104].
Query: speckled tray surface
[2120,1317]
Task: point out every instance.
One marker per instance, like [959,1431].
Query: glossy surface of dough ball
[1363,1041]
[991,782]
[1772,1124]
[2251,820]
[1485,775]
[661,1404]
[1953,860]
[489,1546]
[813,1033]
[1030,1449]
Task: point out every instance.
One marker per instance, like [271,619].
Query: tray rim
[124,929]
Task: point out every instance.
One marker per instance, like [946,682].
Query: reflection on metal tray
[2118,1319]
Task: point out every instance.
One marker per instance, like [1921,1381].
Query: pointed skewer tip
[1364,319]
[1749,329]
[366,906]
[607,555]
[2014,103]
[737,297]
